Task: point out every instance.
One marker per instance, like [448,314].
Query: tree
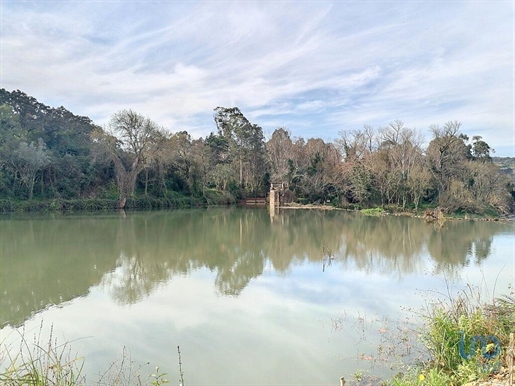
[419,181]
[201,154]
[446,155]
[129,145]
[488,187]
[233,126]
[279,150]
[245,147]
[11,134]
[402,148]
[357,144]
[27,161]
[185,160]
[481,150]
[67,138]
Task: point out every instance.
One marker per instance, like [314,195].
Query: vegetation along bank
[51,159]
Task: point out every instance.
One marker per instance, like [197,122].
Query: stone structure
[280,194]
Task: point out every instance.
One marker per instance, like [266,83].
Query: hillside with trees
[51,155]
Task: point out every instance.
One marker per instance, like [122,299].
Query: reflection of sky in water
[279,330]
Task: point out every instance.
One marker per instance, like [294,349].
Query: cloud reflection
[50,261]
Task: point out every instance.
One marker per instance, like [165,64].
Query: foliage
[457,339]
[138,139]
[373,212]
[51,154]
[448,332]
[417,377]
[244,151]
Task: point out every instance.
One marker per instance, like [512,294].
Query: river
[299,298]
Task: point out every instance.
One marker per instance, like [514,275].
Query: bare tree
[129,145]
[357,144]
[488,186]
[446,154]
[402,146]
[279,149]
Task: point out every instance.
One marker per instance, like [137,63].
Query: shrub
[373,211]
[465,336]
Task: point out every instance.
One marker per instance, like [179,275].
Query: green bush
[6,206]
[373,212]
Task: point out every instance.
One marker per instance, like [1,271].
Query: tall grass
[49,363]
[40,363]
[466,340]
[456,338]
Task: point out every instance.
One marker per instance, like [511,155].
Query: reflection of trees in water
[459,244]
[384,244]
[133,280]
[231,280]
[237,243]
[46,262]
[50,261]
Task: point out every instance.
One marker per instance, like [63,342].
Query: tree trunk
[31,184]
[121,202]
[146,181]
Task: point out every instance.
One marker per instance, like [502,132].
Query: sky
[317,68]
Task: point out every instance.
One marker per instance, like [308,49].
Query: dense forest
[51,155]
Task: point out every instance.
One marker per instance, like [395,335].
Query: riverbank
[96,205]
[465,342]
[215,198]
[429,214]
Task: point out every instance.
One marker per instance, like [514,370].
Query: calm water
[250,299]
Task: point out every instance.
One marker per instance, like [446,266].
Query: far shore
[510,217]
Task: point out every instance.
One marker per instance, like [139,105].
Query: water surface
[250,298]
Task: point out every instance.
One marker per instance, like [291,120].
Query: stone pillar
[274,198]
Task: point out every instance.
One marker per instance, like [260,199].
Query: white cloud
[316,67]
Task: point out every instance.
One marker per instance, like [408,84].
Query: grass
[454,339]
[373,211]
[37,363]
[465,338]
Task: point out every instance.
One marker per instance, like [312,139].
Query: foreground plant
[52,364]
[124,372]
[465,338]
[417,377]
[42,364]
[459,339]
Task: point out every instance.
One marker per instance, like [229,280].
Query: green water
[250,298]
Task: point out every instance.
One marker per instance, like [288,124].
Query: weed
[37,363]
[460,339]
[124,372]
[41,364]
[373,212]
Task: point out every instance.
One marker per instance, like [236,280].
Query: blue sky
[314,67]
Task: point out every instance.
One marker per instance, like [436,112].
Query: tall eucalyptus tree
[245,147]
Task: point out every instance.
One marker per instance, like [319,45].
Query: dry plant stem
[510,358]
[180,366]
